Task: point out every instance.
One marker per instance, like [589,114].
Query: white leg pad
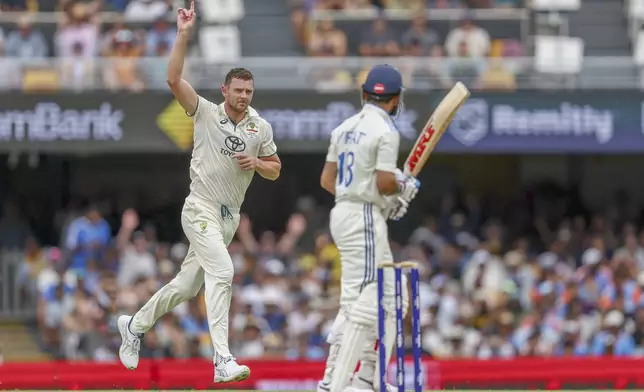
[367,375]
[355,335]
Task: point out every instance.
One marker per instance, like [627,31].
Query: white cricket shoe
[228,370]
[130,343]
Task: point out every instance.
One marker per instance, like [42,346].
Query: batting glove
[397,208]
[407,185]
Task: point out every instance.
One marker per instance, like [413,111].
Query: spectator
[155,67]
[160,38]
[253,345]
[77,71]
[304,351]
[147,10]
[611,340]
[26,43]
[300,10]
[464,67]
[87,238]
[379,41]
[57,308]
[497,77]
[136,260]
[122,70]
[419,40]
[327,41]
[77,34]
[468,40]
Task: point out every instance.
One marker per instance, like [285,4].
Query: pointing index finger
[192,5]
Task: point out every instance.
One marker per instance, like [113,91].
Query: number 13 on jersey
[345,168]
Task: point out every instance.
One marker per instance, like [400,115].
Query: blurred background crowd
[119,44]
[541,276]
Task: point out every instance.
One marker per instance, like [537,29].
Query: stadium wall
[541,374]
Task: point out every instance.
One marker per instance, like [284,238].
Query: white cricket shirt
[215,176]
[361,145]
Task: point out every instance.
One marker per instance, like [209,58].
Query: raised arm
[182,90]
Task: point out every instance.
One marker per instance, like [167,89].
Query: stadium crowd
[129,39]
[542,276]
[465,52]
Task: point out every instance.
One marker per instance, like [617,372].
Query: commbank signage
[524,122]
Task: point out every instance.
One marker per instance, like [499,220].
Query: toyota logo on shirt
[234,145]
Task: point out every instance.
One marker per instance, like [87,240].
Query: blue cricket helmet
[383,80]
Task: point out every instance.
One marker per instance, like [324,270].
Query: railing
[318,74]
[13,304]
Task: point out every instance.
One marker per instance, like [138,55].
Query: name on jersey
[351,137]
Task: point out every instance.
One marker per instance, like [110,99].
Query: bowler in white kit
[231,143]
[361,171]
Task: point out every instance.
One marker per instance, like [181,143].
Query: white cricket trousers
[361,235]
[210,229]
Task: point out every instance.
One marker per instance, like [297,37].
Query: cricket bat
[435,128]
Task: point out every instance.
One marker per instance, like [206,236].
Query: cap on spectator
[614,318]
[383,80]
[592,256]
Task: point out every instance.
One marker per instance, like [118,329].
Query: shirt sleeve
[204,108]
[332,153]
[268,146]
[388,152]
